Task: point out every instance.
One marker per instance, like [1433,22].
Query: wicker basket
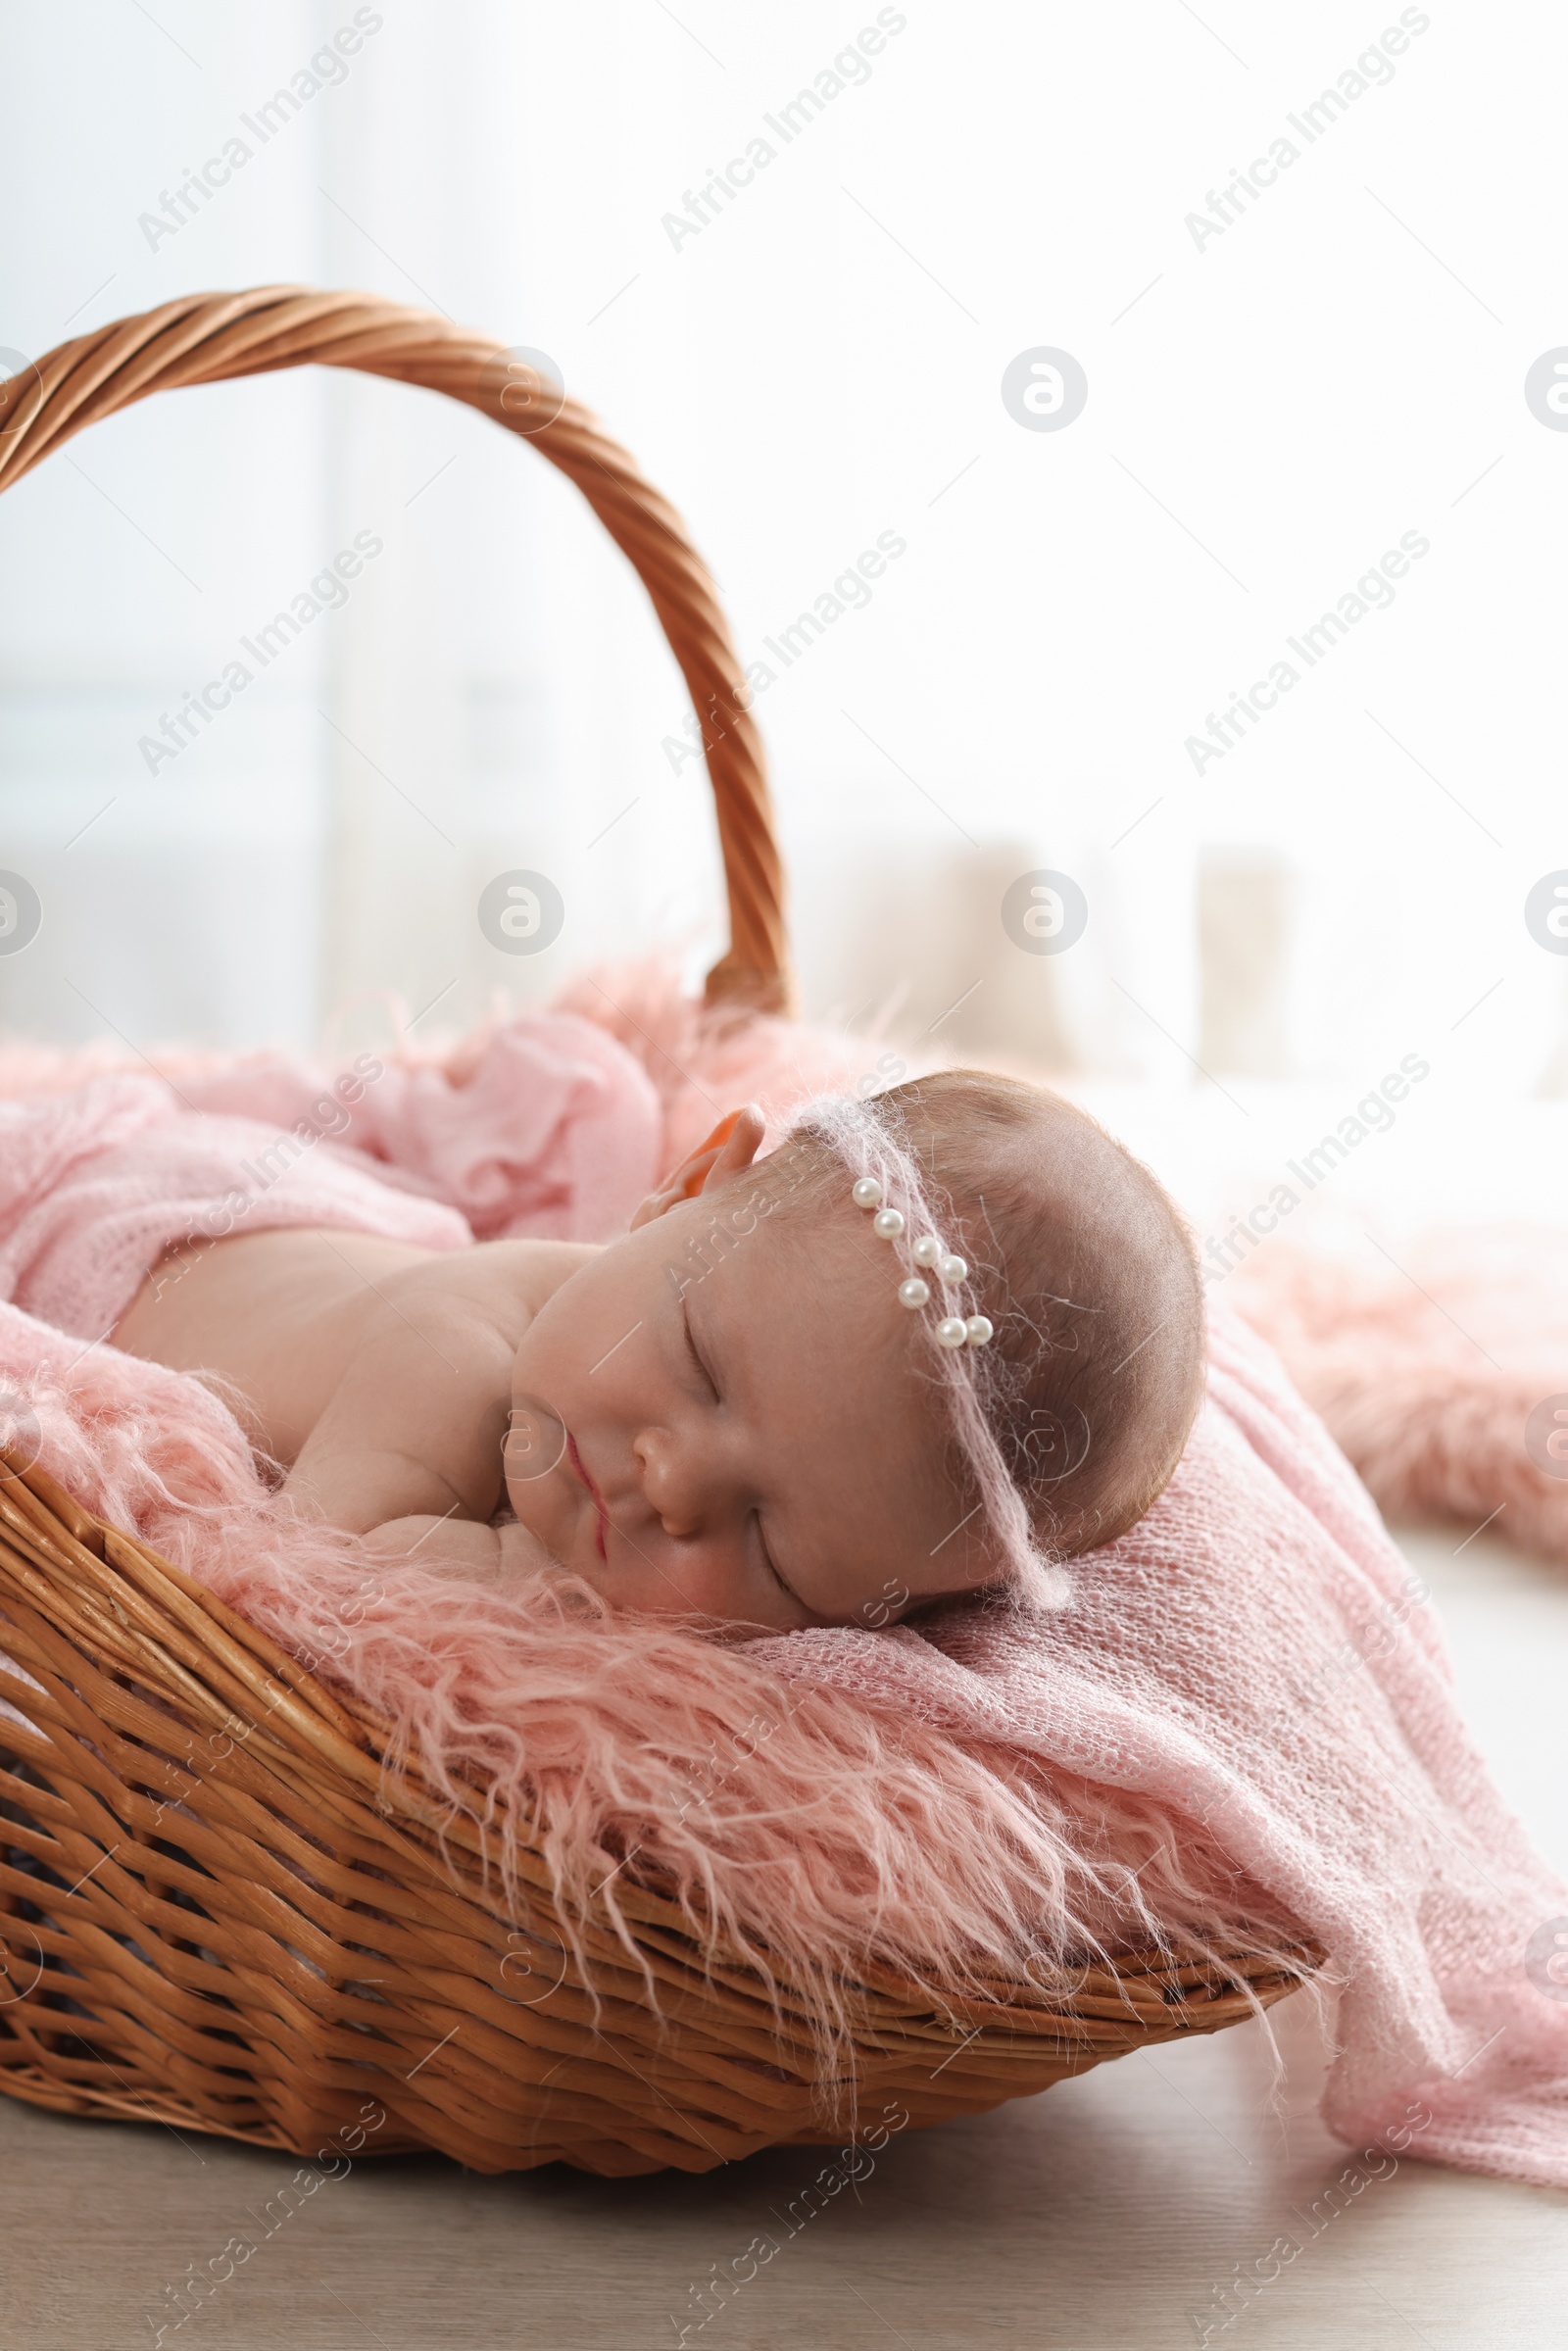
[216,1909]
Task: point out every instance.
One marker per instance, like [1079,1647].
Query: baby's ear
[731,1147]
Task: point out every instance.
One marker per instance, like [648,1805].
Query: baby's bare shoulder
[504,1283]
[415,1418]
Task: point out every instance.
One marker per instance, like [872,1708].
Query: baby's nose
[677,1484]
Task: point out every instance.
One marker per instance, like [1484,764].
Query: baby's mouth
[597,1498]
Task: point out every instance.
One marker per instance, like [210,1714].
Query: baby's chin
[523,1548]
[529,1553]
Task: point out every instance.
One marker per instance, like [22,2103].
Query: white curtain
[810,360]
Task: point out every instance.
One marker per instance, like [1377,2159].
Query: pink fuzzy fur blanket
[1442,1375]
[1243,1728]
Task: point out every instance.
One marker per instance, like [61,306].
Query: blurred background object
[811,362]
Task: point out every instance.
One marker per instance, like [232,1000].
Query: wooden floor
[1101,2216]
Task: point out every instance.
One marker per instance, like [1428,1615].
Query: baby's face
[760,1441]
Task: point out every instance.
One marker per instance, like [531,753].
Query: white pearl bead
[866,1193]
[914,1292]
[888,1222]
[954,1269]
[927,1250]
[953,1331]
[978,1329]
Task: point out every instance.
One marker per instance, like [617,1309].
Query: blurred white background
[1270,407]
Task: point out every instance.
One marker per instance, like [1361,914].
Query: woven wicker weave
[216,1909]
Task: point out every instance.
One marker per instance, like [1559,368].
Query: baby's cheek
[534,1447]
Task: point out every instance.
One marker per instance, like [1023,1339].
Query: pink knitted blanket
[553,1131]
[1250,1676]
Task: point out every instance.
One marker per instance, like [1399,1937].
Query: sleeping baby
[934,1343]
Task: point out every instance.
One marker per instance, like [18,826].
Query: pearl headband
[953,1330]
[886,1180]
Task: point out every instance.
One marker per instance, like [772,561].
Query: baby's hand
[455,1546]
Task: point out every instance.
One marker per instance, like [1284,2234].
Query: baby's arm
[457,1545]
[416,1424]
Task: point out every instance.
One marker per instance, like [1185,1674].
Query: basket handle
[208,338]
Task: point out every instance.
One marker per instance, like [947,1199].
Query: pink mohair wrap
[1241,1728]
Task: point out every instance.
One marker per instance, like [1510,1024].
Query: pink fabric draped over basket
[553,1131]
[1254,1658]
[1440,1376]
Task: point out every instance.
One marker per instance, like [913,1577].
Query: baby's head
[736,1412]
